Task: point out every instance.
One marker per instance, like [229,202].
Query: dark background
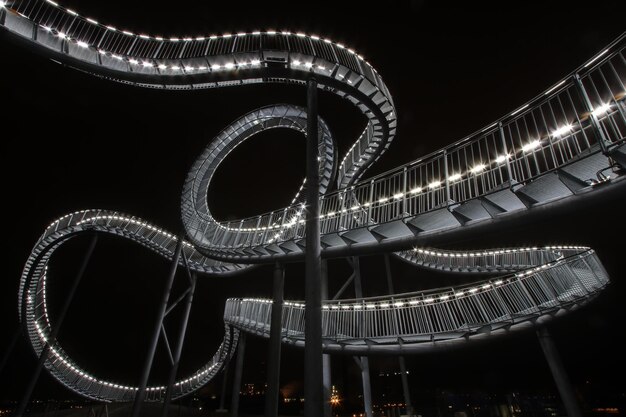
[72,141]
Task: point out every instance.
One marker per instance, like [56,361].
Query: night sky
[83,142]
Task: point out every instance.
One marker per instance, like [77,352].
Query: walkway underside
[565,145]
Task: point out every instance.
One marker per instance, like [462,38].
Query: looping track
[565,143]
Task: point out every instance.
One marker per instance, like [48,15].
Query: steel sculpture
[565,143]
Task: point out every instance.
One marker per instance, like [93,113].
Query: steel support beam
[224,392]
[364,360]
[561,379]
[367,388]
[234,399]
[403,373]
[179,346]
[313,363]
[21,409]
[326,357]
[143,382]
[343,287]
[10,347]
[276,332]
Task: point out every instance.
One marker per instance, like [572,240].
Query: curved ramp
[439,318]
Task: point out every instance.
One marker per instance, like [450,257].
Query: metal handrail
[504,153]
[455,311]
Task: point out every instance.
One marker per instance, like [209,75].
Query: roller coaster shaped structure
[564,143]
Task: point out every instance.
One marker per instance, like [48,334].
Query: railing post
[226,231]
[595,123]
[282,221]
[255,231]
[370,203]
[238,236]
[506,153]
[445,168]
[404,193]
[342,213]
[267,228]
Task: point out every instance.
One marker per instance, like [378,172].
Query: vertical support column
[234,401]
[313,368]
[326,357]
[367,388]
[143,382]
[221,408]
[561,380]
[364,360]
[403,374]
[595,123]
[179,346]
[405,387]
[9,350]
[21,409]
[276,330]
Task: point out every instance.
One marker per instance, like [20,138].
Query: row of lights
[216,67]
[383,304]
[95,219]
[433,185]
[76,370]
[89,377]
[296,64]
[212,37]
[475,170]
[148,64]
[532,271]
[430,299]
[451,254]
